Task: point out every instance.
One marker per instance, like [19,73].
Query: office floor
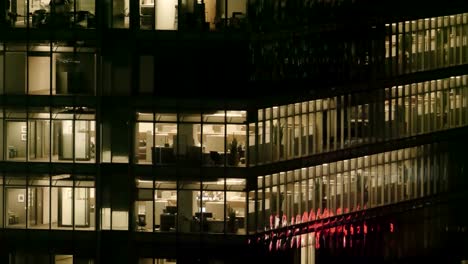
[46,159]
[46,226]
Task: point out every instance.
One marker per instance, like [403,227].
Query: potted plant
[234,155]
[233,223]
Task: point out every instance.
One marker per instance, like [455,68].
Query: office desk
[215,226]
[163,155]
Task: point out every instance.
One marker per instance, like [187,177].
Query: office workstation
[183,208]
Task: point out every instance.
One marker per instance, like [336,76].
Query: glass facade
[90,141]
[42,134]
[302,129]
[350,185]
[55,14]
[210,206]
[218,138]
[48,68]
[426,44]
[63,202]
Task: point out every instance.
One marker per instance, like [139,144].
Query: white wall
[54,204]
[120,220]
[39,75]
[105,218]
[67,206]
[45,205]
[81,198]
[166,14]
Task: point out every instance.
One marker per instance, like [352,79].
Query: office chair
[141,223]
[215,157]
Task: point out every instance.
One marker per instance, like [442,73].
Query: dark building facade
[164,131]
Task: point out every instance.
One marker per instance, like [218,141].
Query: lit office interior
[351,185]
[52,14]
[209,139]
[191,14]
[156,261]
[64,201]
[426,43]
[21,257]
[59,134]
[50,68]
[302,129]
[190,206]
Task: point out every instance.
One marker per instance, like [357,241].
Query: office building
[163,131]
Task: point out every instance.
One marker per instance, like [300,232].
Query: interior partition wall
[48,68]
[35,201]
[59,134]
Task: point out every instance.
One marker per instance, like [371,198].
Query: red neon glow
[305,217]
[325,213]
[317,240]
[284,220]
[391,227]
[365,228]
